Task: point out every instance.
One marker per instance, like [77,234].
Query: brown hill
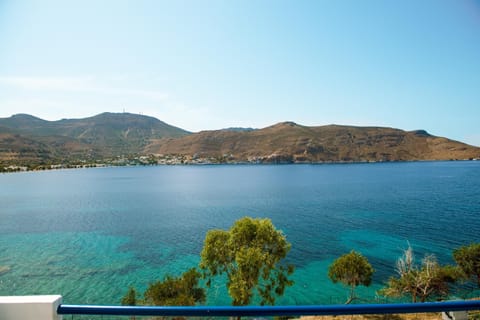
[25,139]
[289,142]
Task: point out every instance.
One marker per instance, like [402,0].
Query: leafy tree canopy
[176,291]
[130,298]
[251,254]
[468,259]
[351,269]
[430,279]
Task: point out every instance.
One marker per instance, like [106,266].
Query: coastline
[188,161]
[183,160]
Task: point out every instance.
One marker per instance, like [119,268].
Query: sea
[90,234]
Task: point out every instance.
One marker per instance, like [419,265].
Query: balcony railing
[51,308]
[205,311]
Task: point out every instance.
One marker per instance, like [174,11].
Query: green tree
[351,269]
[176,291]
[130,298]
[420,282]
[468,259]
[252,255]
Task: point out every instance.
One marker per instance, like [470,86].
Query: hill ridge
[97,137]
[289,142]
[28,139]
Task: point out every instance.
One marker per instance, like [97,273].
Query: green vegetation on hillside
[26,139]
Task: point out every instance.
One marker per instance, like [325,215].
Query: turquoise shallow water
[89,234]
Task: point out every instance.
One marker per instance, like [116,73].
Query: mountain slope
[106,134]
[290,142]
[27,139]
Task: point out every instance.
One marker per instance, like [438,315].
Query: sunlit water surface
[89,234]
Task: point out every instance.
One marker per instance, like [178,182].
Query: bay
[89,234]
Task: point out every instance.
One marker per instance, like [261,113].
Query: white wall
[30,307]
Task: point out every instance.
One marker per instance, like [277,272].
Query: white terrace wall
[30,307]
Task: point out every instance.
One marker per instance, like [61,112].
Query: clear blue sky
[410,64]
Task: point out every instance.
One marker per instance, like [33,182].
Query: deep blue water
[90,233]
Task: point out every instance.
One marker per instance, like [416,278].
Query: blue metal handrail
[205,311]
